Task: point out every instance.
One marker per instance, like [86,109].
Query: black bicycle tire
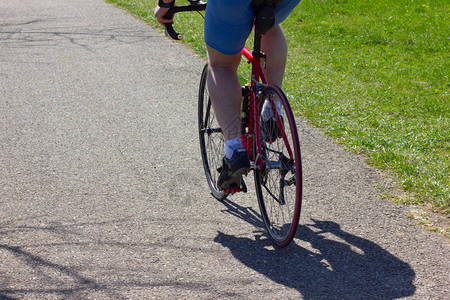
[205,133]
[285,239]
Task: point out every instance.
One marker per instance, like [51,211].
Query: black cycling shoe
[232,170]
[270,130]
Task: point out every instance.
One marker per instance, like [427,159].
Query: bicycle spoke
[278,183]
[208,110]
[272,195]
[211,138]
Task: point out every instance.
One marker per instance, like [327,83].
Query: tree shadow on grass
[336,265]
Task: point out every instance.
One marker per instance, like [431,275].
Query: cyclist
[228,24]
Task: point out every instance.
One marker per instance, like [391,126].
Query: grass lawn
[372,74]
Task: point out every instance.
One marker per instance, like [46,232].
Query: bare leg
[223,84]
[274,45]
[225,91]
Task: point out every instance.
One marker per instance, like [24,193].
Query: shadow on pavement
[336,265]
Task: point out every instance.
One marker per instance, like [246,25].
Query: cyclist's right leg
[274,45]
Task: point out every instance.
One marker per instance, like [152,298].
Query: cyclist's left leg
[228,23]
[227,26]
[225,91]
[226,95]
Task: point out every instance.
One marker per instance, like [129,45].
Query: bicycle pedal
[232,190]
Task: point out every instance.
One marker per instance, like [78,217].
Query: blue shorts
[228,23]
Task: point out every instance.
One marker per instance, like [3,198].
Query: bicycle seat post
[257,45]
[264,20]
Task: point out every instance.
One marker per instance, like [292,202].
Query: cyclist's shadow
[339,265]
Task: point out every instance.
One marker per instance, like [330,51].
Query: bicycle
[273,147]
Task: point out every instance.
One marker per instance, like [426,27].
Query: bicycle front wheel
[212,141]
[279,181]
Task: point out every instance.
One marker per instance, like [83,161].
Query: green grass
[372,74]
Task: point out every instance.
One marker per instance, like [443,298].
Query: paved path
[102,194]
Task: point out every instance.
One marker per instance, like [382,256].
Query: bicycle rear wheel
[212,141]
[279,182]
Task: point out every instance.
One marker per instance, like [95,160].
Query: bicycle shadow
[337,265]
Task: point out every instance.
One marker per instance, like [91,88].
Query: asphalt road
[102,192]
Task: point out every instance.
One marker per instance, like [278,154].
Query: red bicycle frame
[254,58]
[257,75]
